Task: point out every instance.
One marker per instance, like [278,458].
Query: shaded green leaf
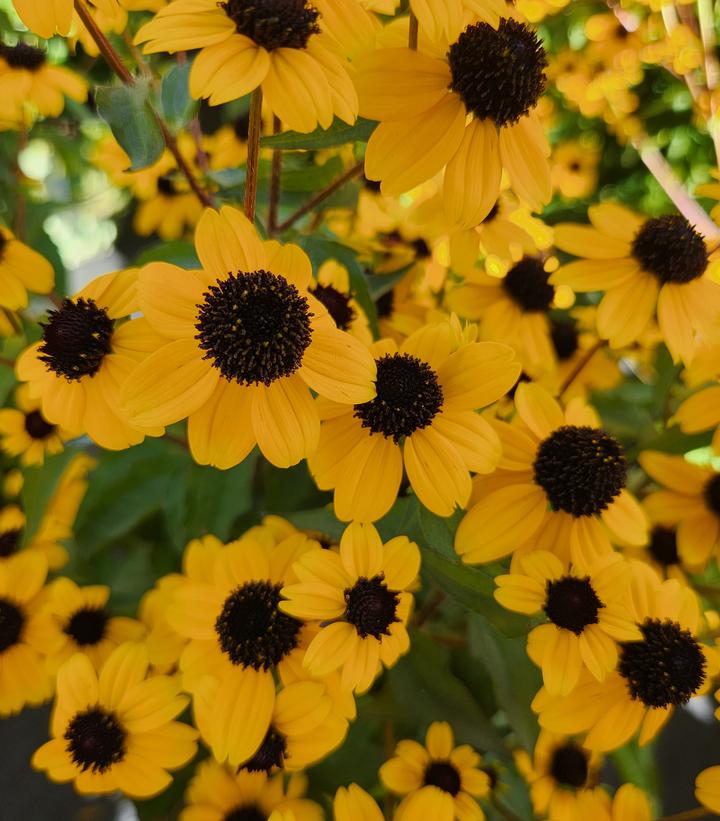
[339,133]
[177,104]
[127,110]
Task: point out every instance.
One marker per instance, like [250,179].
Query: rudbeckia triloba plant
[360,409]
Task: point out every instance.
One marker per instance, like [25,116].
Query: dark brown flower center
[337,304]
[712,494]
[12,621]
[10,541]
[564,337]
[526,283]
[270,755]
[572,603]
[37,426]
[88,626]
[671,249]
[274,23]
[569,765]
[663,546]
[23,56]
[371,607]
[95,740]
[444,775]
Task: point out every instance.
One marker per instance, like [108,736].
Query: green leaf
[304,175]
[177,104]
[38,487]
[178,252]
[127,110]
[339,133]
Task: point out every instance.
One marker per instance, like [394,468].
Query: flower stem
[413,32]
[275,182]
[577,370]
[253,153]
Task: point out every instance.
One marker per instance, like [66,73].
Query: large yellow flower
[644,266]
[360,597]
[465,103]
[243,343]
[439,781]
[21,270]
[46,17]
[292,50]
[423,419]
[114,731]
[560,475]
[84,356]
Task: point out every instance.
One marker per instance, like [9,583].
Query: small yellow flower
[25,432]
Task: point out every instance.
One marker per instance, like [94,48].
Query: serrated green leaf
[127,110]
[339,133]
[177,104]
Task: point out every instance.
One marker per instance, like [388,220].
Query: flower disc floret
[572,603]
[274,23]
[95,740]
[498,73]
[671,249]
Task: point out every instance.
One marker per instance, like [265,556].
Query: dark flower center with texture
[581,469]
[572,603]
[666,668]
[564,337]
[337,304]
[248,813]
[498,73]
[671,249]
[95,740]
[10,541]
[371,607]
[663,546]
[712,494]
[384,304]
[88,626]
[569,765]
[76,338]
[12,621]
[408,397]
[255,327]
[37,426]
[526,283]
[274,23]
[444,775]
[23,56]
[251,629]
[270,755]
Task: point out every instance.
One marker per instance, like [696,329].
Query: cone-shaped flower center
[270,755]
[663,546]
[274,23]
[254,327]
[564,337]
[23,56]
[581,469]
[572,603]
[76,338]
[95,740]
[36,426]
[12,621]
[498,73]
[526,283]
[408,397]
[666,667]
[569,765]
[371,607]
[671,249]
[87,626]
[251,629]
[337,304]
[444,775]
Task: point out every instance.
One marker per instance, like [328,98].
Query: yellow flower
[561,475]
[644,266]
[12,524]
[690,501]
[21,270]
[25,635]
[47,17]
[333,290]
[352,803]
[700,412]
[360,597]
[216,793]
[587,609]
[243,342]
[82,623]
[113,731]
[25,432]
[464,104]
[84,356]
[574,168]
[560,773]
[707,788]
[439,781]
[630,803]
[423,419]
[298,63]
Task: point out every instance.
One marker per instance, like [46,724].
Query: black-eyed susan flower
[243,341]
[662,670]
[217,794]
[26,433]
[284,48]
[438,781]
[114,730]
[352,803]
[85,354]
[21,270]
[647,267]
[587,611]
[359,595]
[25,637]
[701,412]
[12,525]
[574,168]
[83,623]
[560,472]
[629,803]
[332,289]
[172,213]
[30,85]
[689,501]
[466,104]
[559,773]
[422,419]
